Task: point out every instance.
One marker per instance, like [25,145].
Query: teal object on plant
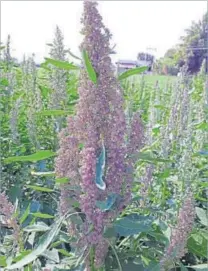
[100,168]
[109,203]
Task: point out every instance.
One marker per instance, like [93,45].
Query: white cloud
[135,25]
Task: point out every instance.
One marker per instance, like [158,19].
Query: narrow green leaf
[147,157]
[44,242]
[48,174]
[25,215]
[64,252]
[131,72]
[38,227]
[61,64]
[40,188]
[88,65]
[38,156]
[41,215]
[62,180]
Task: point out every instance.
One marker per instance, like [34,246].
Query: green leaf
[200,267]
[38,156]
[88,65]
[61,64]
[201,213]
[3,261]
[41,215]
[44,242]
[48,174]
[38,227]
[148,158]
[131,72]
[45,91]
[4,82]
[2,48]
[54,112]
[25,215]
[133,224]
[62,180]
[22,255]
[202,126]
[40,188]
[64,252]
[197,244]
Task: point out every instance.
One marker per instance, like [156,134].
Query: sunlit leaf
[47,174]
[132,72]
[25,215]
[40,188]
[41,215]
[62,180]
[38,227]
[61,64]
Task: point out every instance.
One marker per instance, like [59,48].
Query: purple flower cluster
[179,235]
[100,120]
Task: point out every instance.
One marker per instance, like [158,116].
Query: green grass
[151,80]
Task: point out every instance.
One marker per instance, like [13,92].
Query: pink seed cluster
[179,235]
[99,119]
[7,210]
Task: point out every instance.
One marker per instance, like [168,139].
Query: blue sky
[135,25]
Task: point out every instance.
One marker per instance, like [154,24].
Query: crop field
[101,172]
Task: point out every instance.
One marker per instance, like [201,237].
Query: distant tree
[194,44]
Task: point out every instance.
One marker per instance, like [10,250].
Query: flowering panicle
[58,77]
[93,151]
[8,72]
[179,235]
[33,96]
[14,120]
